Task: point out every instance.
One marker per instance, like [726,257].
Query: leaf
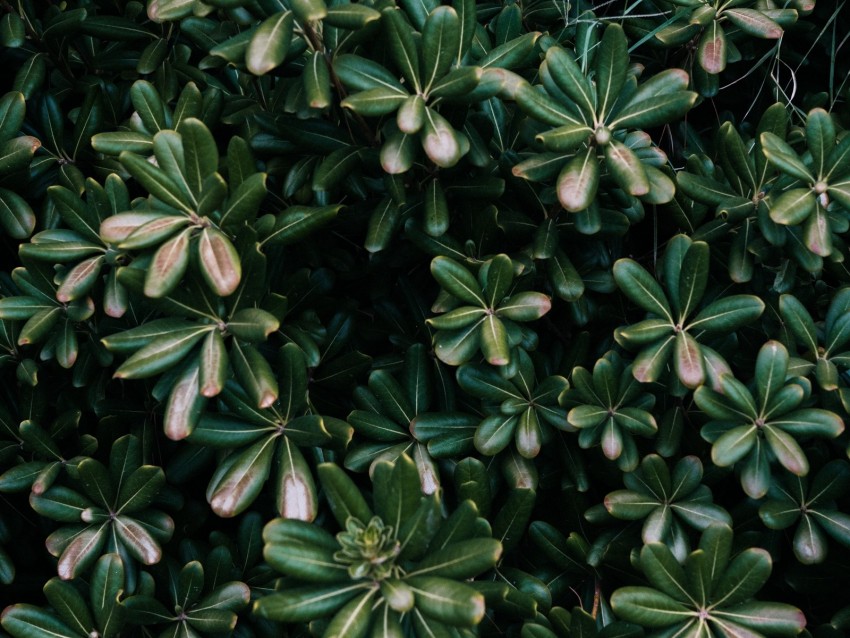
[626,168]
[612,61]
[149,106]
[168,265]
[754,22]
[457,281]
[155,181]
[343,496]
[744,576]
[363,74]
[728,314]
[440,42]
[780,154]
[269,43]
[654,111]
[402,46]
[639,286]
[107,583]
[17,153]
[712,50]
[16,216]
[295,491]
[799,321]
[793,206]
[664,572]
[200,153]
[734,445]
[648,607]
[568,76]
[160,353]
[31,621]
[243,479]
[578,181]
[243,202]
[140,489]
[305,603]
[81,552]
[138,541]
[254,373]
[219,262]
[512,53]
[447,601]
[353,619]
[441,143]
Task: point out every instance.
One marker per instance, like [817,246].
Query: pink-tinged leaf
[711,51]
[219,262]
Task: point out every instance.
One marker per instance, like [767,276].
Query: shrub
[432,319]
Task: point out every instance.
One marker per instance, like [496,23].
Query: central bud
[602,135]
[368,550]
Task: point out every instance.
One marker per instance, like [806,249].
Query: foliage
[436,319]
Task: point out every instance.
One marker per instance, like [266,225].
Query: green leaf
[107,584]
[17,153]
[113,142]
[639,286]
[512,53]
[798,319]
[734,445]
[353,619]
[728,314]
[375,102]
[664,572]
[149,106]
[16,216]
[494,341]
[343,496]
[744,576]
[539,105]
[155,181]
[447,601]
[793,206]
[254,373]
[402,46]
[457,281]
[69,604]
[33,622]
[269,43]
[168,265]
[780,154]
[440,42]
[305,603]
[655,110]
[612,60]
[161,353]
[648,607]
[363,74]
[568,76]
[441,142]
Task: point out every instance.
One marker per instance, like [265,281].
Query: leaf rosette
[711,593]
[482,313]
[758,431]
[400,567]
